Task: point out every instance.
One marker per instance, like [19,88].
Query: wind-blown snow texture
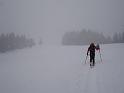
[62,70]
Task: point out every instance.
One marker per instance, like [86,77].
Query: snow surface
[61,69]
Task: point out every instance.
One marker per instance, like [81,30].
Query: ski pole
[86,59]
[100,55]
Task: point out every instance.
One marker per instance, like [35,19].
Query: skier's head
[92,44]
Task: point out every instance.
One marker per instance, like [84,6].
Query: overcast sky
[50,19]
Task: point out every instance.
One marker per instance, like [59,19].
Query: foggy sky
[50,19]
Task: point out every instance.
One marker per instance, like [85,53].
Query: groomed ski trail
[90,81]
[92,86]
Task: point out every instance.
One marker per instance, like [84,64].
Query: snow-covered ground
[61,69]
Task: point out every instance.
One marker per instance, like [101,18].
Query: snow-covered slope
[61,69]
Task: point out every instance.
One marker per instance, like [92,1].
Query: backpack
[97,47]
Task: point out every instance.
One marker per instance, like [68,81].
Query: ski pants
[92,58]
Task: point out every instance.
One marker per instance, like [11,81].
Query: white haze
[50,19]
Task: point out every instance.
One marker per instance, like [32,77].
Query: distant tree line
[118,38]
[85,37]
[11,42]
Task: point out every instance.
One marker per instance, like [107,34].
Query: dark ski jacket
[91,49]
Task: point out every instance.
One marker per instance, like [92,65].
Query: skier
[91,49]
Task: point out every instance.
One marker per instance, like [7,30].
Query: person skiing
[92,49]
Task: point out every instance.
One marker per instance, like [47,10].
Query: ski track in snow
[91,81]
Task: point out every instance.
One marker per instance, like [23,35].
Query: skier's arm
[88,50]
